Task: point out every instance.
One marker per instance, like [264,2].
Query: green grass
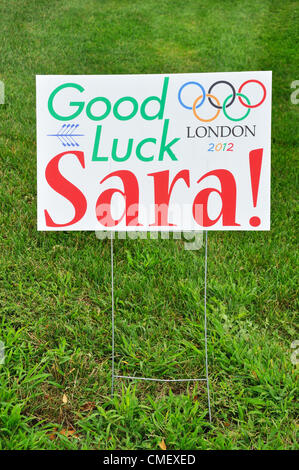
[55,287]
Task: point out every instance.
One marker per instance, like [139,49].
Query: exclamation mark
[255,163]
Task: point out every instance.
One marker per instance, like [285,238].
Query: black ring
[233,97]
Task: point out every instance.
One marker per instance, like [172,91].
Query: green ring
[233,119]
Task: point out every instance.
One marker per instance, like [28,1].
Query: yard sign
[154,152]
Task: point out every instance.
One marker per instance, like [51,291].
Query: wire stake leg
[206,334]
[206,379]
[112,314]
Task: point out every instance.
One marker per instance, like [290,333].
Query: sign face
[154,152]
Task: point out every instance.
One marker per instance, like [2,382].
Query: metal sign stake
[205,379]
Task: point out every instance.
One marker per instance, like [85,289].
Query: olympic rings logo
[229,100]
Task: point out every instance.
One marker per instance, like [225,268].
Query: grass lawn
[55,304]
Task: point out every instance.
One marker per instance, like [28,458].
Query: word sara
[162,187]
[136,157]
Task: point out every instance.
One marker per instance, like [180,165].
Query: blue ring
[192,83]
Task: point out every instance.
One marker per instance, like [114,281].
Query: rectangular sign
[154,152]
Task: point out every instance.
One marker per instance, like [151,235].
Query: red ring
[253,105]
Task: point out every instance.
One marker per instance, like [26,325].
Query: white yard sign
[154,152]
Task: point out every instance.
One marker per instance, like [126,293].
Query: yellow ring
[194,108]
